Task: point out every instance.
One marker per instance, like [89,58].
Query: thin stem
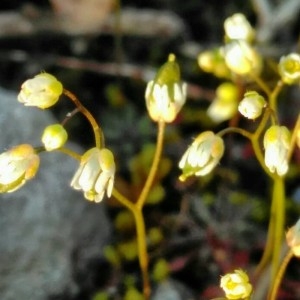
[294,137]
[280,274]
[274,95]
[142,251]
[238,130]
[262,84]
[99,140]
[69,116]
[70,152]
[153,170]
[122,199]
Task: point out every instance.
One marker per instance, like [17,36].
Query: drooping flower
[236,285]
[252,105]
[237,27]
[241,58]
[95,175]
[42,91]
[289,68]
[277,145]
[293,238]
[225,105]
[202,155]
[54,137]
[17,166]
[166,94]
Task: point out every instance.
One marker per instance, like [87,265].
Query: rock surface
[44,223]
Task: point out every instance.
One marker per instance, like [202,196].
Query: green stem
[280,274]
[99,139]
[159,145]
[70,152]
[141,239]
[274,95]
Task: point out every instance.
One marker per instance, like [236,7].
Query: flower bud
[202,155]
[224,106]
[17,165]
[54,137]
[236,285]
[289,68]
[41,91]
[293,238]
[237,27]
[166,94]
[95,174]
[277,145]
[241,58]
[252,105]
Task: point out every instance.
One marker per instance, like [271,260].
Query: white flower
[237,27]
[293,238]
[95,174]
[41,91]
[54,137]
[252,105]
[289,68]
[241,58]
[236,285]
[224,106]
[202,155]
[277,145]
[165,101]
[17,165]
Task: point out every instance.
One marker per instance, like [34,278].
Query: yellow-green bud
[289,68]
[17,165]
[54,137]
[252,105]
[42,91]
[224,106]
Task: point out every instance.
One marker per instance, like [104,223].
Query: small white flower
[237,27]
[165,101]
[95,174]
[224,106]
[277,145]
[202,155]
[236,285]
[17,165]
[252,105]
[41,91]
[289,68]
[241,58]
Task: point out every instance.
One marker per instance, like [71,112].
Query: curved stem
[123,200]
[70,152]
[238,130]
[99,140]
[280,274]
[159,145]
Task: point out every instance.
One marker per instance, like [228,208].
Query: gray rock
[43,223]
